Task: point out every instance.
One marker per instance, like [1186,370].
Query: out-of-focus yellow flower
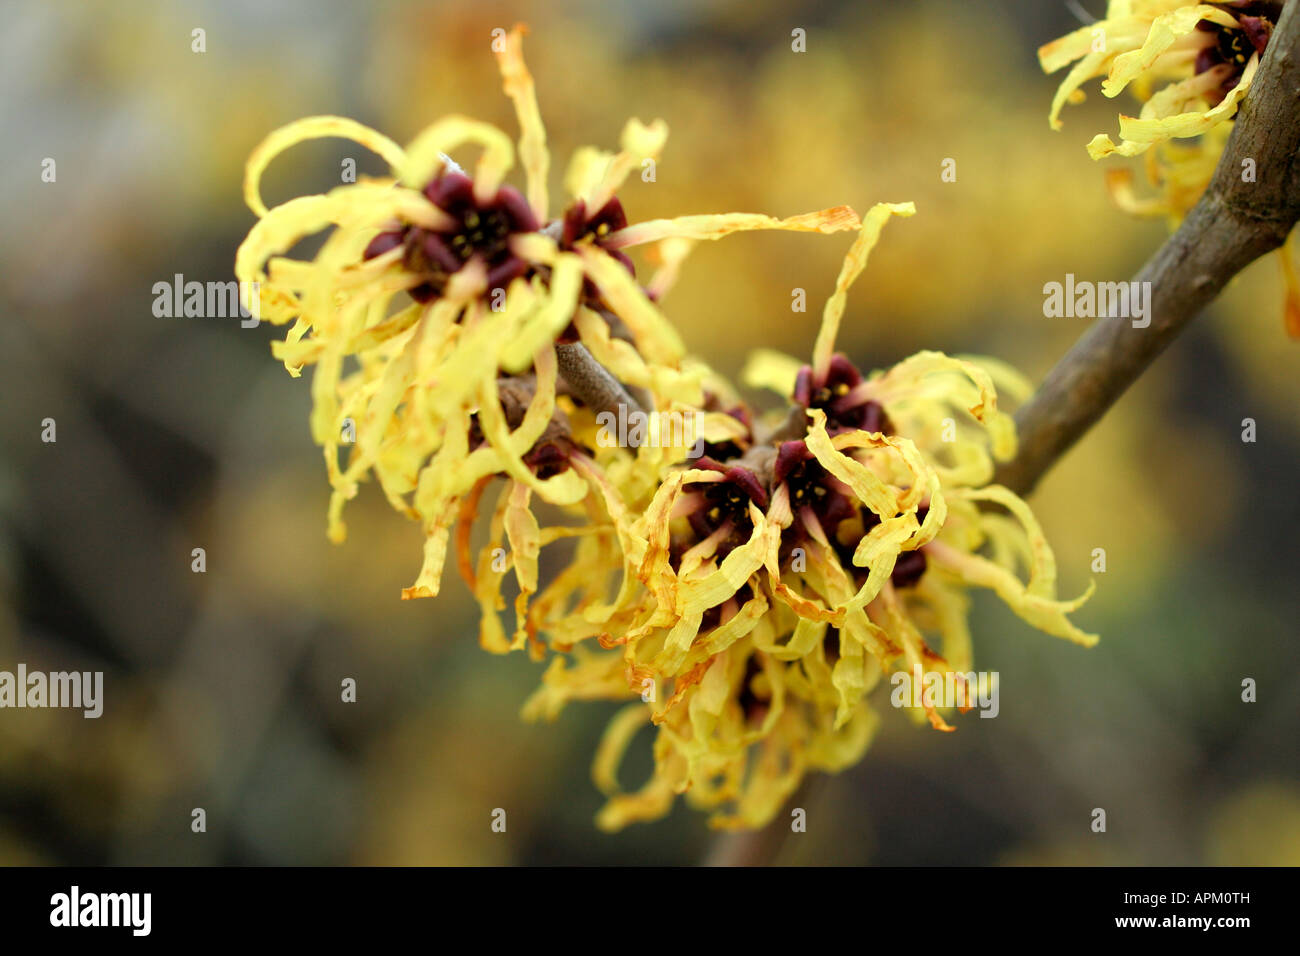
[1178,170]
[1210,53]
[790,567]
[1206,55]
[432,311]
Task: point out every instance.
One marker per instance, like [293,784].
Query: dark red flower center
[578,227]
[725,504]
[811,488]
[1234,46]
[836,394]
[478,229]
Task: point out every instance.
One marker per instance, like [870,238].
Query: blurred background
[222,689]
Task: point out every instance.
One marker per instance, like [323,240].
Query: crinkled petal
[312,127]
[854,263]
[825,221]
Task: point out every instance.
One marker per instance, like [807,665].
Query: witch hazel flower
[746,593]
[1190,65]
[835,545]
[454,326]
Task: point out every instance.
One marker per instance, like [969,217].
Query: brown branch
[1234,224]
[590,381]
[760,847]
[793,426]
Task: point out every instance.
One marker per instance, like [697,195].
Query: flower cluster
[745,595]
[1190,64]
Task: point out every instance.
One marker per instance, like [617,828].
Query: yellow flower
[750,589]
[780,584]
[1206,55]
[434,307]
[1210,52]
